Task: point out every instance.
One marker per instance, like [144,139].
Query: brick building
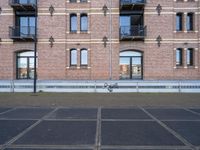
[100,39]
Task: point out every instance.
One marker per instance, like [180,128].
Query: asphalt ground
[98,100]
[91,121]
[100,128]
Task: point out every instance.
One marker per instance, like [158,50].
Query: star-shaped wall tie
[159,39]
[159,9]
[105,9]
[51,40]
[51,10]
[105,40]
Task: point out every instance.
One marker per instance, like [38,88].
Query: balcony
[132,4]
[22,33]
[23,5]
[132,32]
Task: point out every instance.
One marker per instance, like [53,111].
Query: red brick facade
[103,62]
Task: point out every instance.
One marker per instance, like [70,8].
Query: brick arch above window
[136,48]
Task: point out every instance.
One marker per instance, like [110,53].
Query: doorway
[25,65]
[131,65]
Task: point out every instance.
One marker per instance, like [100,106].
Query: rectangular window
[179,56]
[190,22]
[179,22]
[190,55]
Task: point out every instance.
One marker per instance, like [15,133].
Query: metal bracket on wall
[51,40]
[105,9]
[51,10]
[159,9]
[159,39]
[105,40]
[0,10]
[0,41]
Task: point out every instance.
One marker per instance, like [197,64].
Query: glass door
[131,65]
[25,65]
[22,68]
[125,68]
[125,22]
[31,67]
[136,68]
[23,26]
[31,25]
[27,26]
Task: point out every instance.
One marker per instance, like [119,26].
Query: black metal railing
[22,32]
[131,2]
[23,5]
[22,2]
[132,31]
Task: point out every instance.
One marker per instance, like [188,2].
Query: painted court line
[11,109]
[194,112]
[183,140]
[98,130]
[26,130]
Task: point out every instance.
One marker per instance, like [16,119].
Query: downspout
[35,51]
[110,49]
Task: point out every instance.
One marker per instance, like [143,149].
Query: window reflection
[84,22]
[73,23]
[73,57]
[84,57]
[25,65]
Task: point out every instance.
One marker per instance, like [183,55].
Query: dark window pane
[72,1]
[189,57]
[190,22]
[179,22]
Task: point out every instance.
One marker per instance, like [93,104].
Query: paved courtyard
[100,128]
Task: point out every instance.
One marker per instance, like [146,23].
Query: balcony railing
[132,32]
[22,33]
[129,4]
[23,5]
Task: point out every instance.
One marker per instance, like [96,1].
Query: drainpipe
[110,49]
[35,51]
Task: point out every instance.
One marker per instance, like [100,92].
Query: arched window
[179,21]
[190,22]
[73,23]
[179,56]
[73,57]
[25,65]
[190,57]
[131,66]
[84,22]
[84,57]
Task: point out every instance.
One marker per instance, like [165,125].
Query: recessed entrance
[131,65]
